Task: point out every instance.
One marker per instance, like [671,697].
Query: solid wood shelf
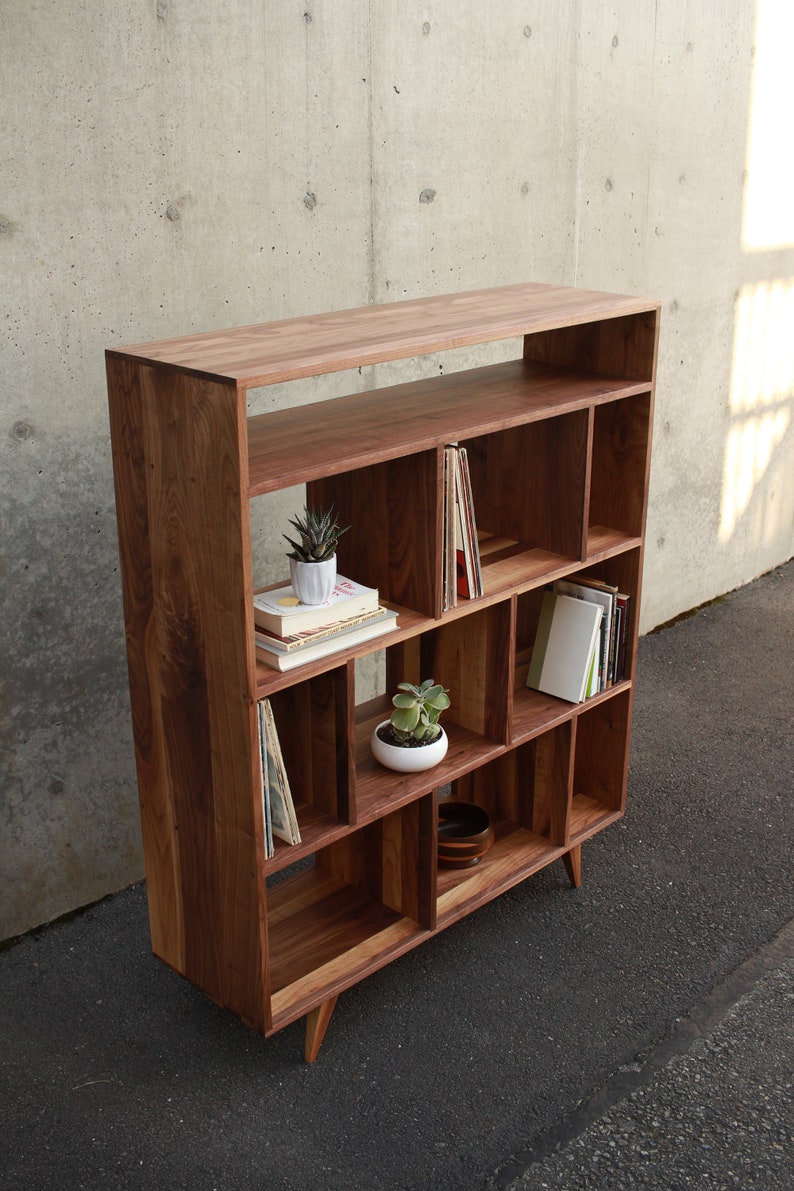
[317,830]
[558,446]
[322,439]
[514,856]
[589,816]
[269,353]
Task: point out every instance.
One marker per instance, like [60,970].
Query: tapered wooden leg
[573,865]
[316,1025]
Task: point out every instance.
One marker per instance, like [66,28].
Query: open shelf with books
[552,452]
[311,718]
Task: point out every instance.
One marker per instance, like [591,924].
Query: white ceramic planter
[410,760]
[313,582]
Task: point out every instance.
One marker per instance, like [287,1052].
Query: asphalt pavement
[636,1032]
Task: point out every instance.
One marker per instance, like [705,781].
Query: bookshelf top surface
[268,353]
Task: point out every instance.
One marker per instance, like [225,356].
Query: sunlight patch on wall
[769,183]
[762,384]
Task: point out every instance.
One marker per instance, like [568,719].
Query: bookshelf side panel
[161,853]
[191,673]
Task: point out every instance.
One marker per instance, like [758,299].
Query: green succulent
[416,711]
[319,533]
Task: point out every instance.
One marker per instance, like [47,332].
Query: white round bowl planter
[408,760]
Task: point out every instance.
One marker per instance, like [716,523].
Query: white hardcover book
[596,595]
[564,644]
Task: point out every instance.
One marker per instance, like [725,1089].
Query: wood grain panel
[623,345]
[394,541]
[271,352]
[307,442]
[619,483]
[371,948]
[191,668]
[127,421]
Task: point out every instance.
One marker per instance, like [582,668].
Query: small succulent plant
[319,533]
[416,711]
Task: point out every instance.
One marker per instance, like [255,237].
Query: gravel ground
[719,1116]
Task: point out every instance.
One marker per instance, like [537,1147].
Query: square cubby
[393,509]
[526,794]
[601,747]
[526,519]
[471,657]
[619,476]
[370,893]
[313,726]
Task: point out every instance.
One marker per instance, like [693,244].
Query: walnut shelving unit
[558,443]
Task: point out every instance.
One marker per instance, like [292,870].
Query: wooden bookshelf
[558,442]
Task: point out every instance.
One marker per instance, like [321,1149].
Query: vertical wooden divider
[346,735]
[553,782]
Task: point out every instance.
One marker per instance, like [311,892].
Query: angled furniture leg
[316,1025]
[573,865]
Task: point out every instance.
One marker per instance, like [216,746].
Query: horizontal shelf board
[603,542]
[310,441]
[348,968]
[266,353]
[515,854]
[317,829]
[535,712]
[589,816]
[379,790]
[522,567]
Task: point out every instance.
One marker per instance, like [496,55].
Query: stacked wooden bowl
[464,834]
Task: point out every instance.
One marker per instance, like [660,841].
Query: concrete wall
[185,164]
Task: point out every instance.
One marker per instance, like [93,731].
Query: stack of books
[563,657]
[278,808]
[580,644]
[462,566]
[613,631]
[288,633]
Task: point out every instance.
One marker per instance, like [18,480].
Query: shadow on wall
[755,484]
